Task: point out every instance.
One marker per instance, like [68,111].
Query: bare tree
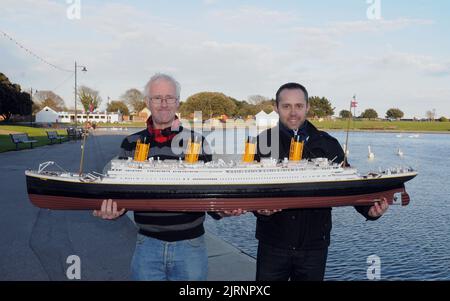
[50,99]
[134,99]
[431,115]
[256,99]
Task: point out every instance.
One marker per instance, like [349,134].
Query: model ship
[143,184]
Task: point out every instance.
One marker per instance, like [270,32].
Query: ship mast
[84,134]
[346,138]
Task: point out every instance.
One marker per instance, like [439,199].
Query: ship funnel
[193,150]
[250,150]
[142,150]
[296,149]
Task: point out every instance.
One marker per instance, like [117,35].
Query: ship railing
[101,175]
[44,165]
[89,177]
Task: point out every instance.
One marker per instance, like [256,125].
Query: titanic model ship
[143,184]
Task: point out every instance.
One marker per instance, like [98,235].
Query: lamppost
[83,68]
[31,105]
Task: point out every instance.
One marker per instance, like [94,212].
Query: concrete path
[35,243]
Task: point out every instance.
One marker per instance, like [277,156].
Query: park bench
[21,138]
[53,136]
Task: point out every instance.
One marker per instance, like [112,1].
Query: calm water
[412,242]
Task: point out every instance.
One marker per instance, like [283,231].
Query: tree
[134,99]
[394,113]
[50,99]
[90,99]
[443,119]
[209,103]
[259,103]
[25,104]
[266,106]
[320,107]
[120,106]
[345,114]
[256,99]
[12,99]
[431,115]
[369,114]
[244,109]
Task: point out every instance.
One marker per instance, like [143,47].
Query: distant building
[266,120]
[142,115]
[48,115]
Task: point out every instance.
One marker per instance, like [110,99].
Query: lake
[412,242]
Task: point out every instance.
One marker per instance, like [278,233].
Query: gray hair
[162,76]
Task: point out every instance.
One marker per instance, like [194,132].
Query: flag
[354,102]
[91,107]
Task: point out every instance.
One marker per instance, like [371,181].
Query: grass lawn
[412,126]
[38,134]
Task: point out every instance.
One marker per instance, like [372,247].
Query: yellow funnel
[296,149]
[142,150]
[192,151]
[250,150]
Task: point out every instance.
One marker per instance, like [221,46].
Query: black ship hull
[58,194]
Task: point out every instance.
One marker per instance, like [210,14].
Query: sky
[389,53]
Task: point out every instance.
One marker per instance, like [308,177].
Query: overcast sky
[398,56]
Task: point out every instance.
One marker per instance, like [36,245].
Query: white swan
[371,155]
[399,152]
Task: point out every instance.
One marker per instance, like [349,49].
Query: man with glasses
[170,245]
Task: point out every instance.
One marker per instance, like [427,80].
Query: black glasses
[159,99]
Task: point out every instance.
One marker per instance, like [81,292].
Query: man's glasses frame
[170,100]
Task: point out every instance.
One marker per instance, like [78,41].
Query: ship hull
[56,194]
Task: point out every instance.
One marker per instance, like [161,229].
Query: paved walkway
[35,243]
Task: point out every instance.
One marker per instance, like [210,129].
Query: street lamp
[31,105]
[83,68]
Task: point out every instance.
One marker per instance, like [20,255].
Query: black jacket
[168,226]
[299,228]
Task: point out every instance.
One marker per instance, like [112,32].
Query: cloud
[38,10]
[323,42]
[343,28]
[424,64]
[210,2]
[251,16]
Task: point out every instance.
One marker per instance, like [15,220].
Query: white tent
[266,120]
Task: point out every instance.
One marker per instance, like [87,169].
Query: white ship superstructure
[268,171]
